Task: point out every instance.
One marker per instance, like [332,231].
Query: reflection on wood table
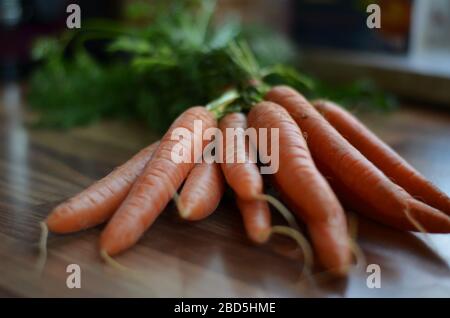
[39,168]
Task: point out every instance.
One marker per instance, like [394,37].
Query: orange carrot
[156,185]
[300,180]
[291,204]
[352,200]
[257,219]
[390,203]
[243,177]
[383,156]
[98,202]
[202,191]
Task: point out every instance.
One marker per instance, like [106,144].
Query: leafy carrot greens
[165,57]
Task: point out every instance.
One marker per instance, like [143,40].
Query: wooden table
[39,168]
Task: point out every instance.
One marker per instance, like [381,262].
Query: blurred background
[409,55]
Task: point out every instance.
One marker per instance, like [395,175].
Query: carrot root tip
[42,246]
[183,213]
[414,222]
[287,215]
[360,258]
[420,228]
[112,262]
[299,238]
[264,236]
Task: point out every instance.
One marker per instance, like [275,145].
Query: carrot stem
[218,106]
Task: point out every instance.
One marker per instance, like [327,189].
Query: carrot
[291,204]
[390,204]
[354,201]
[202,192]
[243,177]
[383,156]
[257,219]
[352,222]
[156,185]
[98,202]
[302,183]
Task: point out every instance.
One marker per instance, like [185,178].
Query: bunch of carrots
[327,159]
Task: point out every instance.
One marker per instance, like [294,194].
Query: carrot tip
[264,236]
[288,216]
[360,258]
[112,262]
[42,246]
[414,222]
[296,235]
[419,227]
[184,214]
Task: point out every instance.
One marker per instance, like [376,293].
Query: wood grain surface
[39,168]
